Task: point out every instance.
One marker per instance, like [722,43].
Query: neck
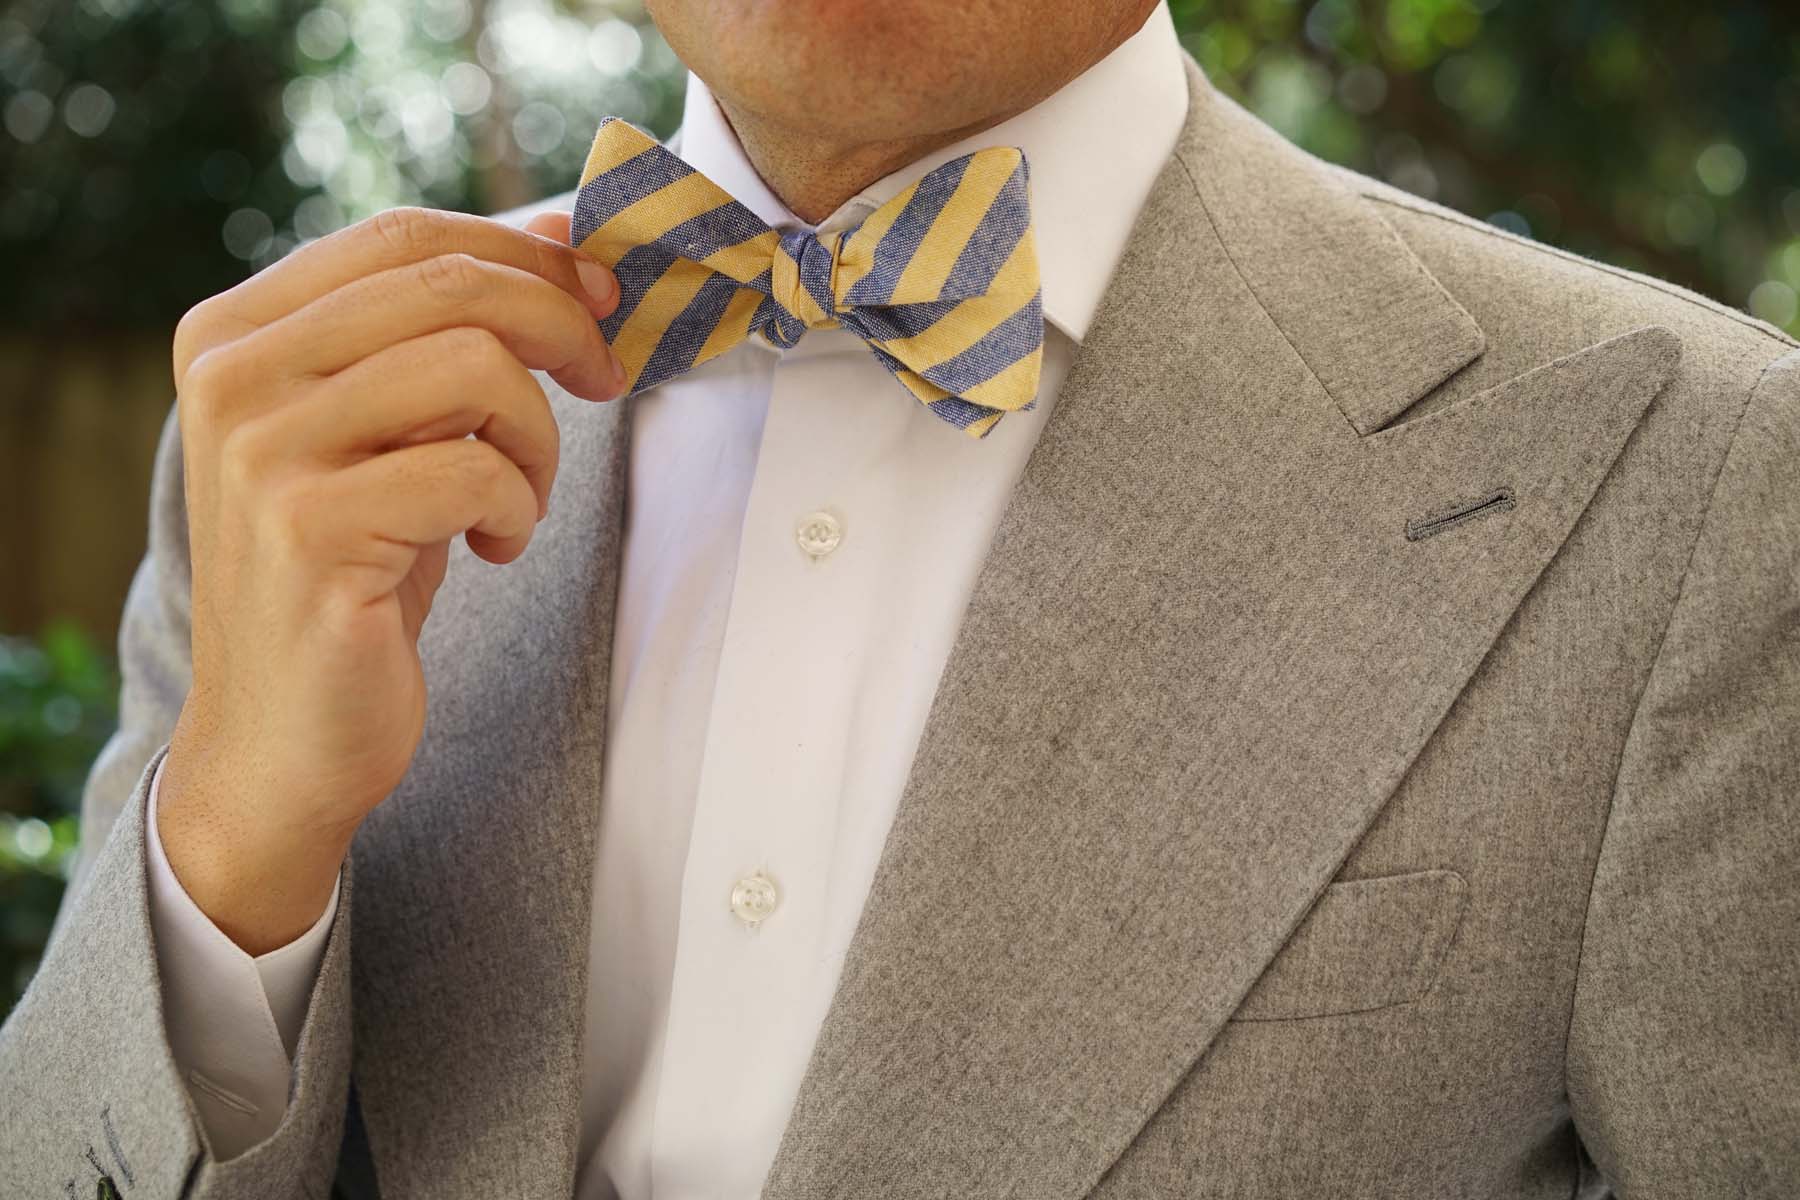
[813,176]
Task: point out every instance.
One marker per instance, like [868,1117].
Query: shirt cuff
[232,1020]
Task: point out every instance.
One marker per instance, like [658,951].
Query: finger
[541,325]
[440,386]
[552,225]
[395,238]
[420,495]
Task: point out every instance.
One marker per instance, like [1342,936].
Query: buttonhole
[1499,500]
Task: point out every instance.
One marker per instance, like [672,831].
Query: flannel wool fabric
[941,281]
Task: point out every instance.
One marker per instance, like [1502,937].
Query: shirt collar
[1088,182]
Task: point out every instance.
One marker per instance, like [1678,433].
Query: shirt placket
[758,870]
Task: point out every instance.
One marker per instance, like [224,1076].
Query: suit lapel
[474,881]
[1202,653]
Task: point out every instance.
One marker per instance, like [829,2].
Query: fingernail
[597,280]
[618,372]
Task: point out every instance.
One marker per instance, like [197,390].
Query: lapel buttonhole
[1498,500]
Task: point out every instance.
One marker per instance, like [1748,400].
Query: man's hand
[325,408]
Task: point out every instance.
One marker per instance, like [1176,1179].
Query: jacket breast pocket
[1367,944]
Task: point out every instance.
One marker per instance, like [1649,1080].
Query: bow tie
[941,281]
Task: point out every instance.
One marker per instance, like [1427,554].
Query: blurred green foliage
[1659,135]
[154,150]
[132,131]
[57,706]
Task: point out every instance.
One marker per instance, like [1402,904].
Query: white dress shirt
[802,538]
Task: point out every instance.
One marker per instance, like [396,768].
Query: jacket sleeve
[88,1084]
[233,1021]
[1684,1046]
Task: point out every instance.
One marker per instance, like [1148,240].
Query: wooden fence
[79,419]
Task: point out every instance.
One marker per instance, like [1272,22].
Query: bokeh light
[1657,135]
[428,102]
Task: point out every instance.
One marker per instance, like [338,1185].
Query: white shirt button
[819,533]
[753,898]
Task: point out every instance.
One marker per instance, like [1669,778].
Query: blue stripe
[954,409]
[992,242]
[901,241]
[610,193]
[1006,344]
[813,263]
[894,321]
[960,412]
[700,237]
[681,342]
[889,361]
[784,329]
[768,310]
[638,272]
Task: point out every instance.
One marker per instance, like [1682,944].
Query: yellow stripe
[746,260]
[927,391]
[733,327]
[857,257]
[976,317]
[931,263]
[665,300]
[979,428]
[1012,388]
[607,254]
[617,142]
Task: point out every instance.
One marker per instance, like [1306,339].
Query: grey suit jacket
[1367,768]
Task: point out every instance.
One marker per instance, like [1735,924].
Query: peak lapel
[1201,655]
[1375,328]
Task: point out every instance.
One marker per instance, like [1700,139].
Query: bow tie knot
[941,281]
[802,282]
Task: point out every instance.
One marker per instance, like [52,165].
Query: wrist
[263,883]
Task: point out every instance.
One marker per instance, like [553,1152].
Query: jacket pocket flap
[1366,944]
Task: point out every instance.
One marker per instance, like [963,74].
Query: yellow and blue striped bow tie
[941,281]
